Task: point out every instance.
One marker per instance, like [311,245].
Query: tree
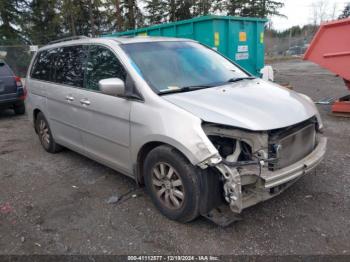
[179,10]
[184,10]
[133,15]
[156,11]
[119,16]
[346,12]
[320,11]
[257,8]
[45,23]
[68,12]
[10,17]
[234,7]
[12,39]
[171,6]
[40,21]
[264,8]
[83,17]
[203,7]
[112,16]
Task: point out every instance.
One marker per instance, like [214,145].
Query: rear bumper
[297,169]
[6,103]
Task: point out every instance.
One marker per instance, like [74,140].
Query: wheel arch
[148,147]
[36,111]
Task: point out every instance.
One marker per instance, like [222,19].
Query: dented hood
[250,104]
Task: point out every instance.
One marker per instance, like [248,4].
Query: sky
[299,12]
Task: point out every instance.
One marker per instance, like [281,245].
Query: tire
[185,206]
[19,109]
[45,136]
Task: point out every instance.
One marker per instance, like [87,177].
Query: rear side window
[5,70]
[69,69]
[102,64]
[42,68]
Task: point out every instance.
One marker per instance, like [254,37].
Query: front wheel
[173,184]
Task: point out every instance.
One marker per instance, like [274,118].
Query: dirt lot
[57,204]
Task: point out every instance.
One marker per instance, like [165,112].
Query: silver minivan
[197,130]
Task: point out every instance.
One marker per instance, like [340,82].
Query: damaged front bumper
[300,168]
[246,183]
[244,191]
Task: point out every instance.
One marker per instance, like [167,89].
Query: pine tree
[179,10]
[234,7]
[257,8]
[156,11]
[113,16]
[264,8]
[171,6]
[11,14]
[346,12]
[11,21]
[204,7]
[184,10]
[133,15]
[83,17]
[119,15]
[45,24]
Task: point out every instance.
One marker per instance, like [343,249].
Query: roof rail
[68,39]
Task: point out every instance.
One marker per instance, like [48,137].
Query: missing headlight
[228,146]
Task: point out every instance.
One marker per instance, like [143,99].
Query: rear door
[62,95]
[104,119]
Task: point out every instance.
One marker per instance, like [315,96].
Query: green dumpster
[241,39]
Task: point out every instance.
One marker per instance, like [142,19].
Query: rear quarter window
[5,70]
[42,68]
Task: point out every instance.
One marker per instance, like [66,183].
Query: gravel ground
[58,204]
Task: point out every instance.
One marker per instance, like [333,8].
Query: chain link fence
[18,57]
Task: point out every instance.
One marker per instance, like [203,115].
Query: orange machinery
[330,48]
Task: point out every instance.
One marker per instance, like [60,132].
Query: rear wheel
[45,135]
[19,109]
[173,184]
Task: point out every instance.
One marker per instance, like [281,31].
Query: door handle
[85,102]
[70,98]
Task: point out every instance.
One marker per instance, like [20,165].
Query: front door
[104,119]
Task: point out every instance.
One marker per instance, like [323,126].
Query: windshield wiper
[240,79]
[197,87]
[184,89]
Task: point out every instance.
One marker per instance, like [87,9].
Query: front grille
[292,144]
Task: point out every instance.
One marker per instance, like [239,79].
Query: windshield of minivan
[172,66]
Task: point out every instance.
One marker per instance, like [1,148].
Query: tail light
[18,81]
[22,91]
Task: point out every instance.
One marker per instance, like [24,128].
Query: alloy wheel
[44,134]
[168,185]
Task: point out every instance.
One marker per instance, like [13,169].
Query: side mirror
[112,86]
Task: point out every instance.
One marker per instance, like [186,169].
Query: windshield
[168,66]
